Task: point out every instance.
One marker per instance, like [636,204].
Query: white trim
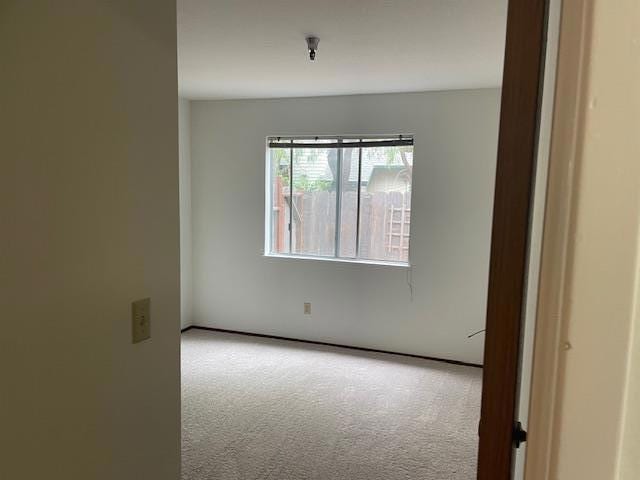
[553,299]
[269,199]
[380,263]
[537,228]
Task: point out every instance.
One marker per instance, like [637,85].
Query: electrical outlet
[140,320]
[307,308]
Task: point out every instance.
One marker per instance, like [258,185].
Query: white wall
[184,144]
[89,222]
[235,287]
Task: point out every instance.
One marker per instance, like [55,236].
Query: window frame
[380,140]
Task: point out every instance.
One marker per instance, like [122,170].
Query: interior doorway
[335,146]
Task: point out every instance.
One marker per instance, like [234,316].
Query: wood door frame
[515,169]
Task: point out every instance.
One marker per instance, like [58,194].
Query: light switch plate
[307,308]
[140,320]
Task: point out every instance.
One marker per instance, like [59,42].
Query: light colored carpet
[255,408]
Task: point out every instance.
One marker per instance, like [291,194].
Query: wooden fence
[384,224]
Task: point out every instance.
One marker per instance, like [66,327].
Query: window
[340,197]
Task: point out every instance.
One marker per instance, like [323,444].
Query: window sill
[380,263]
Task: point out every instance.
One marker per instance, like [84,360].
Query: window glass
[313,219]
[280,159]
[344,198]
[385,203]
[349,201]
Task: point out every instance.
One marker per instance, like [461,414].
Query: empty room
[338,166]
[295,239]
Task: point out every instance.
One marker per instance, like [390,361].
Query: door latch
[519,435]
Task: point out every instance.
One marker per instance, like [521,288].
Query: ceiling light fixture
[312,45]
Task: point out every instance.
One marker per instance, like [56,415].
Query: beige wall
[89,222]
[628,60]
[630,452]
[583,350]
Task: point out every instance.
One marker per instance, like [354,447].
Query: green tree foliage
[302,183]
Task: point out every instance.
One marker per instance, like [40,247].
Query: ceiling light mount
[312,45]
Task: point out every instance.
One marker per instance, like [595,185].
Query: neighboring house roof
[316,167]
[388,178]
[369,163]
